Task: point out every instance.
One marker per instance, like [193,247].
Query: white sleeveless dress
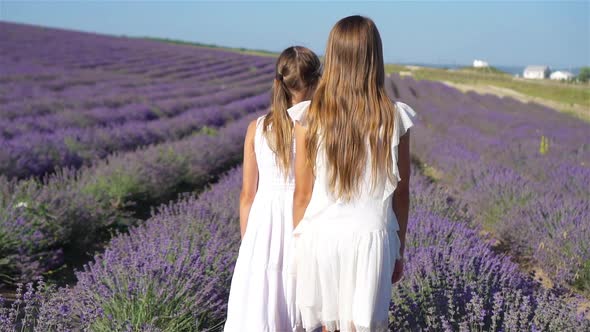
[345,251]
[262,295]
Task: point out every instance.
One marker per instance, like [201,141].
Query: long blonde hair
[350,108]
[297,71]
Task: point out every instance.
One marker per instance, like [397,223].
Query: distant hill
[490,69]
[225,48]
[513,70]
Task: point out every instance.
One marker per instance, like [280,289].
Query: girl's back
[270,174]
[352,162]
[346,249]
[371,206]
[262,295]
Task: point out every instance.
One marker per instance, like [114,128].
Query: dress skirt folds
[262,295]
[345,251]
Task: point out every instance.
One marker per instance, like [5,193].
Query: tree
[584,75]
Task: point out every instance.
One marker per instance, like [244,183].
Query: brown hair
[350,108]
[297,71]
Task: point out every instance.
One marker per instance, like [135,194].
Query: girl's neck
[295,102]
[298,97]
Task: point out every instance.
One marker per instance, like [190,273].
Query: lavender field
[522,169]
[93,126]
[97,131]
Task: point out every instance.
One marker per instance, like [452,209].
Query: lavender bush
[172,274]
[71,98]
[517,171]
[455,282]
[23,313]
[73,208]
[522,169]
[86,102]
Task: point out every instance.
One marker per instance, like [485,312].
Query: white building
[480,64]
[561,75]
[536,72]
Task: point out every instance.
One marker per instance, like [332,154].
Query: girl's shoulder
[253,126]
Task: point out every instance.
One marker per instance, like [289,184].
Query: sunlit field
[120,177]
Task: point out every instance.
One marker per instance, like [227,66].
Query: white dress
[262,295]
[345,251]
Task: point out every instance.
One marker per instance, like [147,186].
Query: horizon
[501,67]
[565,46]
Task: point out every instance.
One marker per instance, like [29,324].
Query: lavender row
[162,106]
[107,57]
[173,273]
[523,169]
[178,263]
[69,49]
[71,82]
[72,209]
[455,282]
[91,95]
[38,153]
[20,45]
[29,97]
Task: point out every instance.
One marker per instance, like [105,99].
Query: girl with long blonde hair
[262,295]
[351,199]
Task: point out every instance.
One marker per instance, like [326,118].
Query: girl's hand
[398,271]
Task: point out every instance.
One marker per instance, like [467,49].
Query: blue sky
[504,33]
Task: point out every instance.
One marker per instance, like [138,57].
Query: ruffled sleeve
[404,114]
[403,122]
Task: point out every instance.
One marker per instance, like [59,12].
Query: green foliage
[584,75]
[490,69]
[582,281]
[209,131]
[115,188]
[393,68]
[544,145]
[499,207]
[158,112]
[40,217]
[7,242]
[139,311]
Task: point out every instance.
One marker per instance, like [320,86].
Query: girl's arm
[303,176]
[401,195]
[249,177]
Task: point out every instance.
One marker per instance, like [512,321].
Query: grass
[583,281]
[393,68]
[240,50]
[484,70]
[574,99]
[566,93]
